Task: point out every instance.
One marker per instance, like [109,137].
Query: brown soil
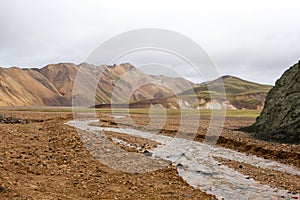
[47,160]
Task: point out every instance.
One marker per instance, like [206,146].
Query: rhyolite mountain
[52,85]
[280,118]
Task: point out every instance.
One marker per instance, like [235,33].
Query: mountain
[280,118]
[129,79]
[61,76]
[240,94]
[52,85]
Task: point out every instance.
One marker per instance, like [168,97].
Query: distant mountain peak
[227,76]
[122,66]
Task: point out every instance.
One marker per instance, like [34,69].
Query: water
[201,170]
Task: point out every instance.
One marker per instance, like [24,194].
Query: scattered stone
[2,189]
[113,123]
[179,165]
[147,153]
[12,120]
[15,120]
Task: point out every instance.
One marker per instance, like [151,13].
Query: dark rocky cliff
[280,118]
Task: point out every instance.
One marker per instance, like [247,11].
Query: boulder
[280,118]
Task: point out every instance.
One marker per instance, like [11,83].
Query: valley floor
[45,159]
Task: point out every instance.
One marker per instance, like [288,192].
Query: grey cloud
[256,40]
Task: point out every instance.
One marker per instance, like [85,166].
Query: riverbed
[198,167]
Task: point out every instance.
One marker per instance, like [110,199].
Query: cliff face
[280,118]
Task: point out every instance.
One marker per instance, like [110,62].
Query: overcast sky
[255,40]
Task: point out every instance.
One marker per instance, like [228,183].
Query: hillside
[52,85]
[240,94]
[20,87]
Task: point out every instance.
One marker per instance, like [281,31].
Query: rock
[147,153]
[179,165]
[280,118]
[15,120]
[2,189]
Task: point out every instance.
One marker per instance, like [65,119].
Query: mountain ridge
[52,85]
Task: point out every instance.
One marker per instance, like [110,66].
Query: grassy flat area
[229,113]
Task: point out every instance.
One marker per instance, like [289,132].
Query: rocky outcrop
[280,118]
